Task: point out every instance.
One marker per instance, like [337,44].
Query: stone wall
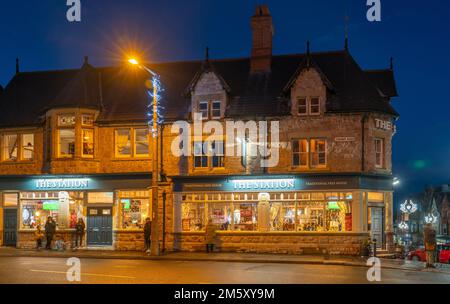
[275,242]
[26,239]
[130,240]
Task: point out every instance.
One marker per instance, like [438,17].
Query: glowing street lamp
[154,120]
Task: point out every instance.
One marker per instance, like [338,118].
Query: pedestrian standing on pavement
[429,237]
[79,232]
[39,234]
[50,229]
[148,234]
[210,236]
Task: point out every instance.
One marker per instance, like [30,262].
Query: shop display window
[221,215]
[64,207]
[134,211]
[193,217]
[244,216]
[282,216]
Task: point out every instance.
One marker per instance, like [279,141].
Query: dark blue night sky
[415,33]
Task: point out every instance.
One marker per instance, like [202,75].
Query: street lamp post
[154,248]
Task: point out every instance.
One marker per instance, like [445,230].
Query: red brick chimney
[262,31]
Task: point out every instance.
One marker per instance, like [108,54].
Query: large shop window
[321,212]
[64,207]
[15,147]
[134,208]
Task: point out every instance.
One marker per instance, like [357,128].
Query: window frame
[300,153]
[311,106]
[318,165]
[58,142]
[215,102]
[135,142]
[22,157]
[83,141]
[305,106]
[116,152]
[380,153]
[202,112]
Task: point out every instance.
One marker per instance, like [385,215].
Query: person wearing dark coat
[147,234]
[50,229]
[79,232]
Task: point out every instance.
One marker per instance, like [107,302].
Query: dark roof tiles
[119,92]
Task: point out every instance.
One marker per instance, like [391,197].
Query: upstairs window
[204,109]
[10,147]
[217,154]
[379,153]
[17,147]
[200,155]
[318,153]
[308,106]
[88,143]
[302,106]
[132,142]
[300,153]
[66,143]
[209,154]
[66,135]
[27,146]
[216,109]
[123,143]
[314,108]
[141,142]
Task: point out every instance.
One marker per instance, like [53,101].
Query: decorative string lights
[408,207]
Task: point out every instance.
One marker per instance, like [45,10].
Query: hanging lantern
[408,207]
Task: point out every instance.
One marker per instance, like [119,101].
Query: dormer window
[204,109]
[210,109]
[308,106]
[302,106]
[314,107]
[216,109]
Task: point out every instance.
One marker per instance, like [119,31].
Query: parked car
[417,255]
[444,254]
[420,254]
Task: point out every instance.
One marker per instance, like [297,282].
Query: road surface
[106,271]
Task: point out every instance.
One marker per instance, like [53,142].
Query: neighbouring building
[75,144]
[433,202]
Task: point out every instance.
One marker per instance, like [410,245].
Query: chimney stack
[262,31]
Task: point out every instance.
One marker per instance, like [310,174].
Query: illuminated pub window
[288,211]
[64,207]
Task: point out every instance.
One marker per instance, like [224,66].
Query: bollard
[374,248]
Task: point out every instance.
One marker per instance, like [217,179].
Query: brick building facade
[75,145]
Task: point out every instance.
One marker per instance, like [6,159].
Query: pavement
[226,257]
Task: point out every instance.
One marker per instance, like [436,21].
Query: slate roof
[119,92]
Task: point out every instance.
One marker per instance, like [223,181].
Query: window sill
[118,159]
[19,162]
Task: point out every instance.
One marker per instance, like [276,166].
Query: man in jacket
[50,229]
[79,232]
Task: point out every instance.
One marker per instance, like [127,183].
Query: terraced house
[75,143]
